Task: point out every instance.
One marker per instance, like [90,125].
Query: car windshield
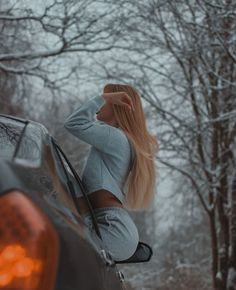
[28,142]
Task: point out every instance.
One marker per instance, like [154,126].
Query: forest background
[181,57]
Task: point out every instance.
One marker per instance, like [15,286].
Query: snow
[231,278]
[219,275]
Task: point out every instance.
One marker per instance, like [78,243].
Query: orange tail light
[29,245]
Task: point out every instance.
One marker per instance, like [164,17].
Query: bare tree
[46,57]
[53,41]
[181,55]
[8,81]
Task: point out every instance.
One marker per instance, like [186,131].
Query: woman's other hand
[119,98]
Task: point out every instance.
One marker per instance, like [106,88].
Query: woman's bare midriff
[98,199]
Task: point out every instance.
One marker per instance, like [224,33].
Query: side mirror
[143,253]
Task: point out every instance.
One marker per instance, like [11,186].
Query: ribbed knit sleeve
[82,124]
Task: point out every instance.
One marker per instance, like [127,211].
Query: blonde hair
[141,181]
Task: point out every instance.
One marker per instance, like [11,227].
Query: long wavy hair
[141,180]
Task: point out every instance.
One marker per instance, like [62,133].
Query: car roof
[19,119]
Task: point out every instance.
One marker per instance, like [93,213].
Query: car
[44,243]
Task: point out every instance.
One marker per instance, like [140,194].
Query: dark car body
[33,165]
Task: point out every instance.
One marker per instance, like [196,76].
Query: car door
[109,270]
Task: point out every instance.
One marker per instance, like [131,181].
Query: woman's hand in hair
[119,98]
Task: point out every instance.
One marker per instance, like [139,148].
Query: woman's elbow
[72,127]
[67,124]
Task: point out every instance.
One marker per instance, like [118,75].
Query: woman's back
[111,155]
[121,155]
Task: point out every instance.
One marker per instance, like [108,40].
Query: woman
[120,170]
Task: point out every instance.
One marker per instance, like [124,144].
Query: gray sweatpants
[119,233]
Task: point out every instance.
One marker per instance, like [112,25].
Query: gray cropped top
[111,154]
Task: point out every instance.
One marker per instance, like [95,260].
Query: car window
[25,136]
[54,180]
[73,183]
[68,174]
[77,186]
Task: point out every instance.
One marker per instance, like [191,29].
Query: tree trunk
[214,248]
[231,284]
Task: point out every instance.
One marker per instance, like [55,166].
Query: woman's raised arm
[81,123]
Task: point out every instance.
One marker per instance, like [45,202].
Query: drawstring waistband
[104,209]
